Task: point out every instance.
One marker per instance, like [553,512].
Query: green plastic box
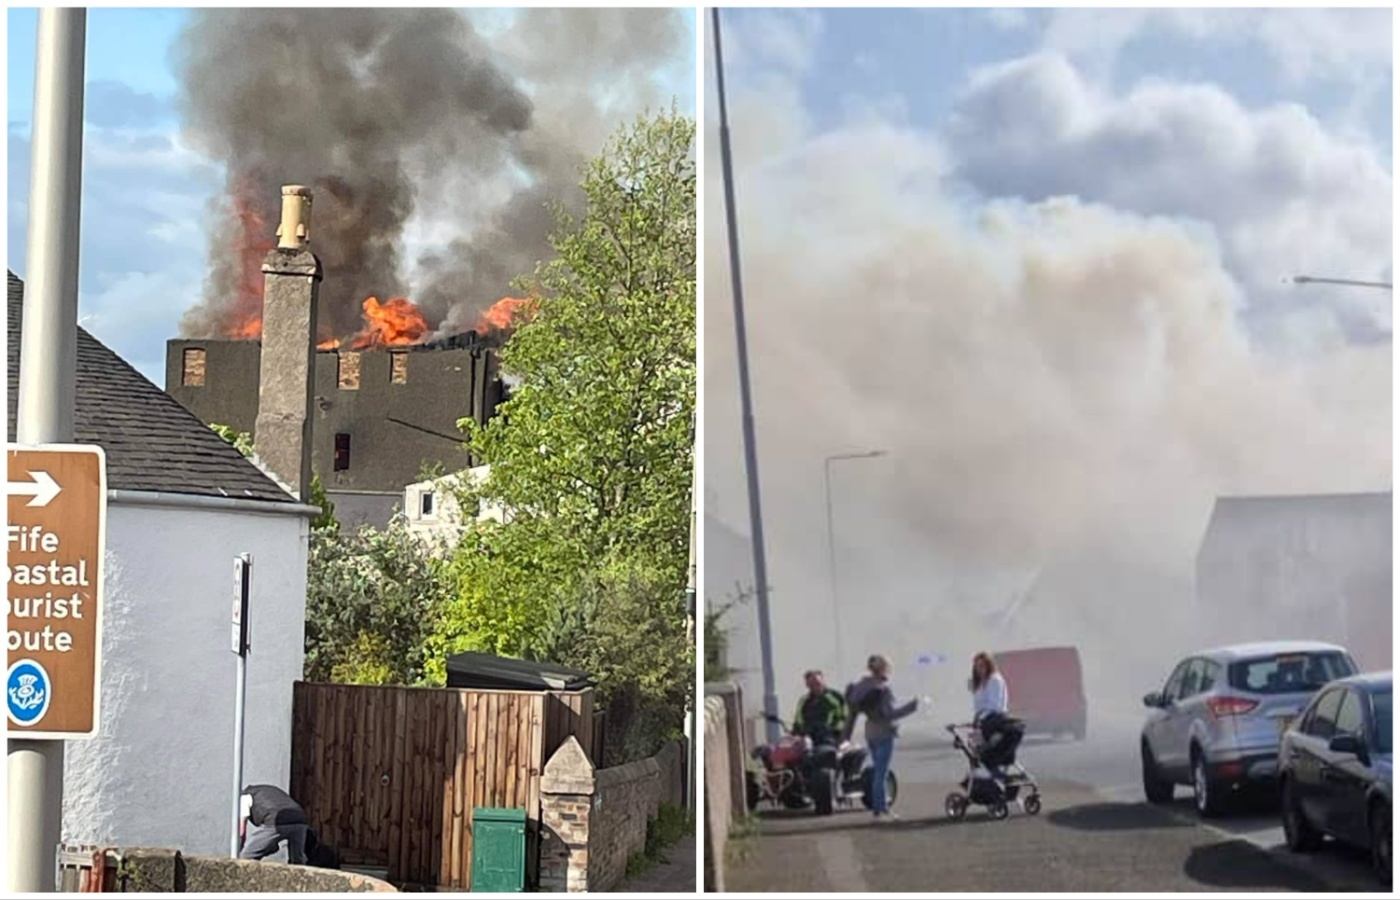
[498,850]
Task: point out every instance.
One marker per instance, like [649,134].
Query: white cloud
[1349,45]
[1284,195]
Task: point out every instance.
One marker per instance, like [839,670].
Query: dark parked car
[1335,769]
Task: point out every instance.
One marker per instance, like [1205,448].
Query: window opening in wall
[348,371]
[193,375]
[398,367]
[425,504]
[342,452]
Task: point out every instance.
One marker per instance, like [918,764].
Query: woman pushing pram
[994,778]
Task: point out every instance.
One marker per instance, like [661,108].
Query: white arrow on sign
[40,491]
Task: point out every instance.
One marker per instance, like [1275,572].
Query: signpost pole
[34,816]
[243,579]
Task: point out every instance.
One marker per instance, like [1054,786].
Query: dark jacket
[821,715]
[273,806]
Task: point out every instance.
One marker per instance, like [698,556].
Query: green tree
[592,453]
[371,599]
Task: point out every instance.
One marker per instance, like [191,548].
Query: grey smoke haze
[397,117]
[1063,385]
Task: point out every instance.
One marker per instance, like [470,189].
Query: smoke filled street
[1048,386]
[1095,833]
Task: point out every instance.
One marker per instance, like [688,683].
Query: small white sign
[242,585]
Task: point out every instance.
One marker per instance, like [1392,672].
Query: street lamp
[1349,282]
[831,547]
[741,340]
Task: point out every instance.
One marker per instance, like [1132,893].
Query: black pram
[1001,735]
[994,778]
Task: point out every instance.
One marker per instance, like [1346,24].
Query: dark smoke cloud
[398,115]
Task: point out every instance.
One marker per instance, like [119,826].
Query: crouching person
[270,817]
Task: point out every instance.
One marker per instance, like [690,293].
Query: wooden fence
[390,775]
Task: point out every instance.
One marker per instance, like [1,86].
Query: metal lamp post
[831,549]
[760,563]
[1347,282]
[47,389]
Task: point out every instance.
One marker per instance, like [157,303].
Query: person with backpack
[873,698]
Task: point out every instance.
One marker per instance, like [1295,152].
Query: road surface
[1095,833]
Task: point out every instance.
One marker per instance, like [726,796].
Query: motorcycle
[825,772]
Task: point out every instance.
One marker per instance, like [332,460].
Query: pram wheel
[1031,804]
[999,810]
[955,806]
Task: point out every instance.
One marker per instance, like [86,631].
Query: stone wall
[163,871]
[672,761]
[725,762]
[595,820]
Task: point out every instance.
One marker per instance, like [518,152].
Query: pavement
[1095,833]
[676,875]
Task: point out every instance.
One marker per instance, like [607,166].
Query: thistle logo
[27,690]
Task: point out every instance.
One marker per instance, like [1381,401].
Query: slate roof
[151,441]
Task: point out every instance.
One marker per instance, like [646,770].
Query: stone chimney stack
[291,282]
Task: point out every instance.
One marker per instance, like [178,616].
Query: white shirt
[990,697]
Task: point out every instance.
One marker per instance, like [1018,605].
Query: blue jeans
[880,753]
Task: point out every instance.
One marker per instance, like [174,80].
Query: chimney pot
[294,231]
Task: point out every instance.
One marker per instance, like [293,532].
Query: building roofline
[170,499]
[1284,498]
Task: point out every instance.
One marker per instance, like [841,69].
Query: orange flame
[502,314]
[393,322]
[248,330]
[254,240]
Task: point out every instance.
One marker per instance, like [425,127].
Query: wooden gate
[389,775]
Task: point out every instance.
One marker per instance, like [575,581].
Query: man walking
[275,817]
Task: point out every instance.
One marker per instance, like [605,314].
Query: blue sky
[921,56]
[145,193]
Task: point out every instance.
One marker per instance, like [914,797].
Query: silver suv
[1217,723]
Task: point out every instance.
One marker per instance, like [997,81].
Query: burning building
[376,407]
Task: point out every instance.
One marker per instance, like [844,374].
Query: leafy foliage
[242,441]
[717,666]
[592,453]
[371,599]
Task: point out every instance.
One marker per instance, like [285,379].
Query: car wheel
[1157,788]
[1209,802]
[1298,832]
[1380,842]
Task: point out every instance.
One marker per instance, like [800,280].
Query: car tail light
[1221,707]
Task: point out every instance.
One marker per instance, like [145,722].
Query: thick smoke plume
[1063,389]
[407,124]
